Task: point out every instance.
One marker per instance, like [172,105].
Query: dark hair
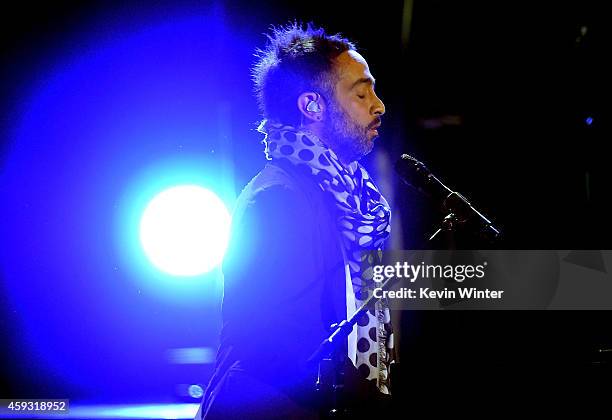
[295,60]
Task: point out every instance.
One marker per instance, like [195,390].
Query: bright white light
[185,230]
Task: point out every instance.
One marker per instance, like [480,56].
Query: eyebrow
[363,80]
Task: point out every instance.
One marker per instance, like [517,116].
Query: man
[300,227]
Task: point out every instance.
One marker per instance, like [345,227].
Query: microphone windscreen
[413,172]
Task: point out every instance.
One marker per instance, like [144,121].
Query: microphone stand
[462,213]
[459,210]
[330,374]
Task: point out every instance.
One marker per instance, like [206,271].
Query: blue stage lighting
[589,121]
[184,230]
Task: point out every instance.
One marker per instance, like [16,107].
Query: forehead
[352,67]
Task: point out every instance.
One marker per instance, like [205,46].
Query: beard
[348,139]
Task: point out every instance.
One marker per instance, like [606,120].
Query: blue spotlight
[184,230]
[589,121]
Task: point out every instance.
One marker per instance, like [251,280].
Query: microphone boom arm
[460,211]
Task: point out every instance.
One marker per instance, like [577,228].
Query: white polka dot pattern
[363,218]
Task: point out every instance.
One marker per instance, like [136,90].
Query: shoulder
[277,178]
[272,215]
[281,189]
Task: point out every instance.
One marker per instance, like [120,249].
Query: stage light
[184,230]
[589,121]
[196,391]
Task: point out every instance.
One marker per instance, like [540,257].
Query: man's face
[354,114]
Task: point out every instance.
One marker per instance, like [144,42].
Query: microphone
[415,174]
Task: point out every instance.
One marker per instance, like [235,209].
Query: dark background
[493,96]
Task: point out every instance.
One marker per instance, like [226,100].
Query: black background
[517,80]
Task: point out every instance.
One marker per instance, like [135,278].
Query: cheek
[359,113]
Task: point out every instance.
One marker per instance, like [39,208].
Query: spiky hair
[296,59]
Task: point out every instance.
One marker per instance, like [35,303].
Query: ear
[312,106]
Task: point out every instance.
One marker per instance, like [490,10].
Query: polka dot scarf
[363,218]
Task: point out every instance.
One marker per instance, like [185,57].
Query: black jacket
[284,285]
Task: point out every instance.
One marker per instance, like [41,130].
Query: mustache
[376,123]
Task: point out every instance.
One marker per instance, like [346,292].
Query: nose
[378,108]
